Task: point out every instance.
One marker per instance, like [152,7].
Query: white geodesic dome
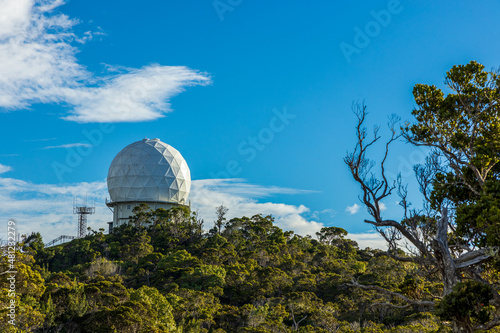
[150,171]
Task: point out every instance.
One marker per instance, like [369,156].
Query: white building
[147,171]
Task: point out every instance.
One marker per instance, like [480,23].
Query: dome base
[122,211]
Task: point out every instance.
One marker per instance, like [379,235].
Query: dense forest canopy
[250,277]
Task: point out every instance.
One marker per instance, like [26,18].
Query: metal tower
[82,211]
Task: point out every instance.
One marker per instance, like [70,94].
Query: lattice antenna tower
[82,210]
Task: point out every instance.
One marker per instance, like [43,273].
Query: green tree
[331,235]
[467,304]
[29,287]
[463,127]
[160,311]
[221,212]
[452,235]
[142,215]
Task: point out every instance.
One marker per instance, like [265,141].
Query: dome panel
[149,170]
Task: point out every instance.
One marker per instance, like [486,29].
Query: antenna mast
[82,211]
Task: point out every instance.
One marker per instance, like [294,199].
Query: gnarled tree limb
[472,258]
[392,293]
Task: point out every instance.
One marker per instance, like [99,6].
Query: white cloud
[240,198]
[353,209]
[241,187]
[13,16]
[48,209]
[369,239]
[329,212]
[4,168]
[38,65]
[137,95]
[69,145]
[38,140]
[382,206]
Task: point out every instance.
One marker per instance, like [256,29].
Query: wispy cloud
[47,208]
[369,239]
[353,209]
[138,95]
[4,168]
[39,140]
[38,65]
[241,199]
[241,187]
[328,212]
[69,145]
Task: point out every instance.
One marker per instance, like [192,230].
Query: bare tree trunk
[444,261]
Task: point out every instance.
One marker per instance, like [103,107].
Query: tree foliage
[453,240]
[165,274]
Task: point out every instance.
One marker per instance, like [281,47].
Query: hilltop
[251,276]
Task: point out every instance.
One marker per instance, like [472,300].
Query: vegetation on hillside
[247,276]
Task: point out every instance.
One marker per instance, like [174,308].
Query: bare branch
[392,293]
[490,325]
[405,232]
[418,260]
[391,305]
[473,258]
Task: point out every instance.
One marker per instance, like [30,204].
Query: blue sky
[209,77]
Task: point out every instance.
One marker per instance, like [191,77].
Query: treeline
[163,273]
